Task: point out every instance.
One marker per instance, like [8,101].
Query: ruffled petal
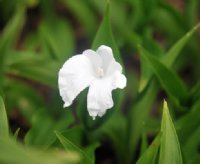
[113,67]
[95,59]
[106,54]
[119,80]
[99,97]
[75,75]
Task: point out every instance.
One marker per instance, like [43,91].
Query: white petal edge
[106,55]
[75,75]
[99,97]
[113,67]
[94,57]
[120,80]
[104,51]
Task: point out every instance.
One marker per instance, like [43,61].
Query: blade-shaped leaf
[29,65]
[83,13]
[15,153]
[169,58]
[146,72]
[90,151]
[191,11]
[104,35]
[174,51]
[168,79]
[144,142]
[173,26]
[149,155]
[15,136]
[57,39]
[11,31]
[4,130]
[69,146]
[169,148]
[194,94]
[43,136]
[190,147]
[189,122]
[9,37]
[137,117]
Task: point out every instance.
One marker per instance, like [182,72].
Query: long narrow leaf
[4,130]
[83,13]
[170,149]
[15,153]
[174,51]
[139,113]
[104,35]
[149,155]
[8,38]
[168,79]
[169,58]
[69,146]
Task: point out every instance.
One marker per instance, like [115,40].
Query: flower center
[100,72]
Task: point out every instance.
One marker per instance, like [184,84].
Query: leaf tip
[107,7]
[165,106]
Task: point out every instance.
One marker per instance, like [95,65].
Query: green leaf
[169,149]
[57,38]
[173,26]
[23,97]
[150,44]
[15,153]
[195,160]
[116,131]
[16,134]
[168,59]
[150,154]
[32,66]
[174,51]
[11,31]
[191,11]
[104,35]
[144,142]
[139,113]
[189,122]
[69,146]
[43,136]
[194,94]
[191,146]
[83,13]
[4,129]
[9,36]
[90,151]
[168,79]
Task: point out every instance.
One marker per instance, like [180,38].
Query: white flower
[97,70]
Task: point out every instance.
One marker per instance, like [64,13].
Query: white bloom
[97,70]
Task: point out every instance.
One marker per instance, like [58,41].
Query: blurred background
[38,36]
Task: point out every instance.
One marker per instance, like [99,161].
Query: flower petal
[75,75]
[113,67]
[106,54]
[95,59]
[120,80]
[100,97]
